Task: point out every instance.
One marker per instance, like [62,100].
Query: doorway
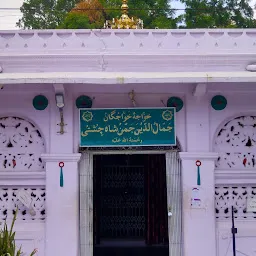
[130,205]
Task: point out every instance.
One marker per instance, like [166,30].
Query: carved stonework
[236,144]
[9,203]
[228,196]
[21,145]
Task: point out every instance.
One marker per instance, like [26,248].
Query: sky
[8,18]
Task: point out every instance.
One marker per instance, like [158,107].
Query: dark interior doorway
[130,205]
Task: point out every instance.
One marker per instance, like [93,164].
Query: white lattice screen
[21,145]
[9,203]
[236,195]
[235,184]
[21,168]
[236,144]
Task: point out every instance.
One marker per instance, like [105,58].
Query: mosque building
[129,141]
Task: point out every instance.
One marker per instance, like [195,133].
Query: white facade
[10,14]
[194,65]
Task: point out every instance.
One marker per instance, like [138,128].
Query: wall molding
[61,157]
[229,177]
[22,178]
[87,63]
[104,50]
[126,77]
[198,156]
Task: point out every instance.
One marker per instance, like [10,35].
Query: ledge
[126,77]
[146,40]
[22,178]
[147,49]
[229,177]
[61,157]
[198,155]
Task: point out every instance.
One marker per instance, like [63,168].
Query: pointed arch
[21,145]
[235,141]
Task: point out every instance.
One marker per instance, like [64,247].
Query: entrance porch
[130,205]
[130,195]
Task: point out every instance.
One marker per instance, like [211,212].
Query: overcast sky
[8,18]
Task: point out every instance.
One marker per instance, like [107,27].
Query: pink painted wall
[137,51]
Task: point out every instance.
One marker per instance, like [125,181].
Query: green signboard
[127,127]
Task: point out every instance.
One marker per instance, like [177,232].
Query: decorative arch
[235,142]
[21,145]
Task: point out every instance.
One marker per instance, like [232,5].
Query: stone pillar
[197,124]
[199,223]
[62,205]
[86,205]
[174,203]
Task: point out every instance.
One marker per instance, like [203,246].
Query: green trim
[83,101]
[219,102]
[175,102]
[40,102]
[61,178]
[198,176]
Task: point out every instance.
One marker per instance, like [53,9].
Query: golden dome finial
[124,22]
[124,7]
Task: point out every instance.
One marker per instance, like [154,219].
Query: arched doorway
[130,203]
[236,143]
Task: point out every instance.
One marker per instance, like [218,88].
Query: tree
[218,14]
[154,13]
[86,14]
[44,14]
[50,14]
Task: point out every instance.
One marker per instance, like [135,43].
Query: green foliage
[7,241]
[51,14]
[218,14]
[87,14]
[44,14]
[154,13]
[77,21]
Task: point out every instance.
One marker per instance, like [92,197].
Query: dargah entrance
[130,189]
[130,205]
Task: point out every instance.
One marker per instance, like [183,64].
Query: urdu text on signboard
[127,127]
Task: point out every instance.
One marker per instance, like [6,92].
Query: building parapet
[197,50]
[194,41]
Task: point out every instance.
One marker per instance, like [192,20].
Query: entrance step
[132,251]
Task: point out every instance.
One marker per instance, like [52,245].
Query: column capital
[61,157]
[198,155]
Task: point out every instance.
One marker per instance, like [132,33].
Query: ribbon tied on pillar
[198,164]
[61,165]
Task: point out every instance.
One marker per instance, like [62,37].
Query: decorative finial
[124,22]
[124,7]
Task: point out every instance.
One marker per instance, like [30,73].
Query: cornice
[215,41]
[61,157]
[225,177]
[107,50]
[126,77]
[198,155]
[133,62]
[22,178]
